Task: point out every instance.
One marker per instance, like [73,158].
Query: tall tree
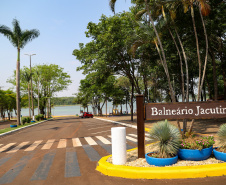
[19,38]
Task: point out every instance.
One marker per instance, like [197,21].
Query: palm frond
[27,36]
[112,5]
[16,28]
[6,31]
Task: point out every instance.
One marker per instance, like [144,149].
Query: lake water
[74,109]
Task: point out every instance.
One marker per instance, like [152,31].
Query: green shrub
[41,116]
[169,139]
[37,117]
[24,120]
[28,120]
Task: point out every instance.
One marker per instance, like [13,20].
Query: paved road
[66,151]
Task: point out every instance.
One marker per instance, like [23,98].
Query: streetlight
[32,103]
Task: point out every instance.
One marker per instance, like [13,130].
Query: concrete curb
[181,172]
[10,132]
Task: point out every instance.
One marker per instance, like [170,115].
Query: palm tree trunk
[186,65]
[212,55]
[207,45]
[201,81]
[198,54]
[18,86]
[172,94]
[181,66]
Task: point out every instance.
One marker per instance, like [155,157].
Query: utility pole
[32,102]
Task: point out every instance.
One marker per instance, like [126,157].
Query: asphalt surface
[66,151]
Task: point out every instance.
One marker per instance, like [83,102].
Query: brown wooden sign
[185,110]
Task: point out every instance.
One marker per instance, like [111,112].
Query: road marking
[90,141]
[3,160]
[33,146]
[62,143]
[76,142]
[101,138]
[6,147]
[92,154]
[131,139]
[9,176]
[135,135]
[104,146]
[42,171]
[48,144]
[18,147]
[71,165]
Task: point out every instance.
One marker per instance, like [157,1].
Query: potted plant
[220,152]
[169,141]
[196,148]
[13,125]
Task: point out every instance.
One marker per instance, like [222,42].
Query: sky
[62,25]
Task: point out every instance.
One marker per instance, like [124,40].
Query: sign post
[140,125]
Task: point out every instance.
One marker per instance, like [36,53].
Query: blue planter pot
[13,126]
[161,161]
[219,155]
[195,155]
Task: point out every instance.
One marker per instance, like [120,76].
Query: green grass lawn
[14,128]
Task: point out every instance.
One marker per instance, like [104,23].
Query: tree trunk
[172,94]
[201,81]
[197,47]
[18,86]
[207,45]
[212,55]
[186,65]
[181,66]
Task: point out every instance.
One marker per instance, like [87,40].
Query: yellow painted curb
[181,172]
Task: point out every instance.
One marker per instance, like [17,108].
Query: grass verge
[15,128]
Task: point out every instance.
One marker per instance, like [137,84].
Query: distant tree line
[63,101]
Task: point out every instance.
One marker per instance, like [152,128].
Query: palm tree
[19,38]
